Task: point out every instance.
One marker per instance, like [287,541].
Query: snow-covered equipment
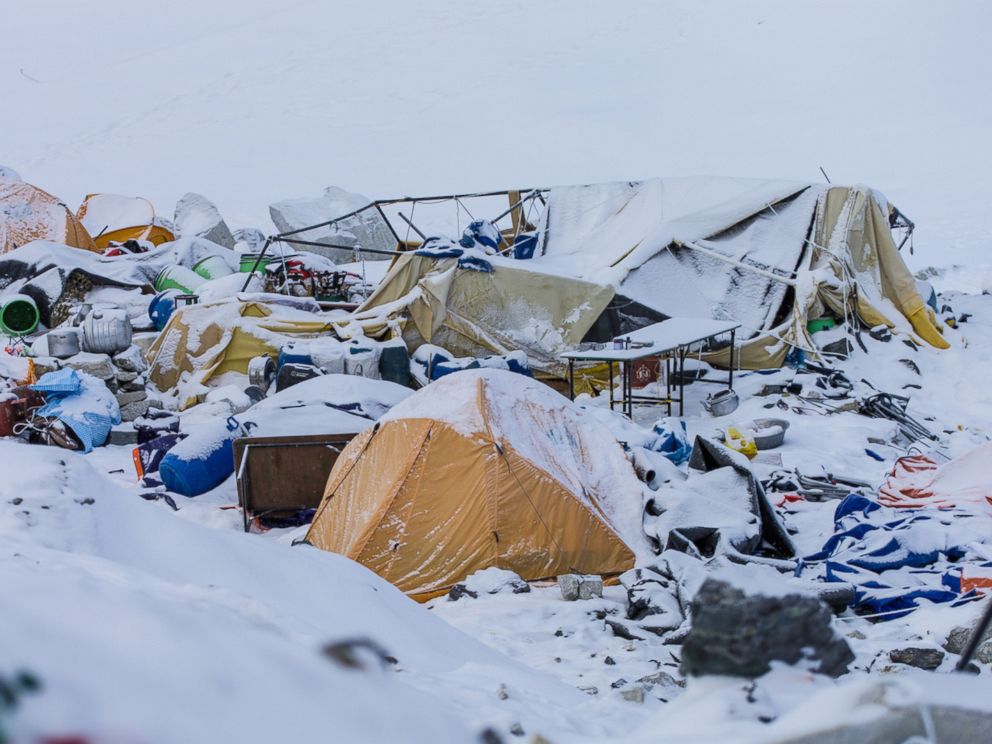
[27,213]
[63,343]
[769,433]
[502,470]
[81,402]
[106,332]
[19,315]
[292,373]
[670,439]
[722,403]
[261,371]
[213,267]
[161,307]
[203,460]
[178,277]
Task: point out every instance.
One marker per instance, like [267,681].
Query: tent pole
[261,255]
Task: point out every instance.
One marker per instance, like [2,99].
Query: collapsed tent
[111,218]
[611,258]
[481,468]
[502,307]
[202,342]
[27,213]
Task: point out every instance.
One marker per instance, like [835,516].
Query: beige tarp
[477,313]
[27,213]
[851,268]
[846,262]
[425,502]
[201,342]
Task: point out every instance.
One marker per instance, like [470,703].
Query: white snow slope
[249,101]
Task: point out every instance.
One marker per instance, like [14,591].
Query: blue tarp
[81,402]
[894,558]
[671,440]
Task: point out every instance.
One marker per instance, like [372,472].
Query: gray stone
[124,399]
[663,679]
[576,586]
[739,635]
[197,216]
[133,387]
[131,411]
[935,723]
[634,694]
[921,658]
[123,436]
[132,359]
[126,377]
[252,238]
[957,639]
[98,365]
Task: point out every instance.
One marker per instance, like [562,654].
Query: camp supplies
[63,343]
[19,316]
[721,403]
[261,370]
[203,460]
[106,334]
[740,442]
[769,433]
[290,374]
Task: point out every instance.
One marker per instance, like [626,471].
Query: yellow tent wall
[27,213]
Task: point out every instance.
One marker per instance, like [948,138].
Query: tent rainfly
[27,213]
[481,468]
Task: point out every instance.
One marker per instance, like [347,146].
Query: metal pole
[610,362]
[976,637]
[415,229]
[244,287]
[730,379]
[571,379]
[682,354]
[297,241]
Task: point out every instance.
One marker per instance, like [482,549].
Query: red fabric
[918,481]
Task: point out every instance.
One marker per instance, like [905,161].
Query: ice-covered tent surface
[27,213]
[482,468]
[635,235]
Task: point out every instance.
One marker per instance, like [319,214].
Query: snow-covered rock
[197,216]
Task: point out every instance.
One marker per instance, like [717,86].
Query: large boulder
[197,216]
[366,230]
[739,634]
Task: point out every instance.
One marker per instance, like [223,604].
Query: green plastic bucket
[212,267]
[19,316]
[820,324]
[178,277]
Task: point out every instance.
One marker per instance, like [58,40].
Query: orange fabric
[918,481]
[424,505]
[27,213]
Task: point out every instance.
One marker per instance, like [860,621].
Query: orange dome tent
[481,468]
[27,213]
[111,218]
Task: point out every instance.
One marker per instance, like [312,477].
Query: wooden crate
[284,474]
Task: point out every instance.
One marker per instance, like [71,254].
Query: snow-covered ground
[150,625]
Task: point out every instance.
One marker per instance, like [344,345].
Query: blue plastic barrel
[294,354]
[203,460]
[160,309]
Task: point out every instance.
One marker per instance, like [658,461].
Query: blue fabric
[896,559]
[81,402]
[160,309]
[525,245]
[671,440]
[512,362]
[480,232]
[474,263]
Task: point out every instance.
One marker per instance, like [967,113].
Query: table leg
[730,378]
[571,379]
[611,384]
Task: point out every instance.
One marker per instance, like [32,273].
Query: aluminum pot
[721,403]
[63,343]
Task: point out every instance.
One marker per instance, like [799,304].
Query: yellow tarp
[201,342]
